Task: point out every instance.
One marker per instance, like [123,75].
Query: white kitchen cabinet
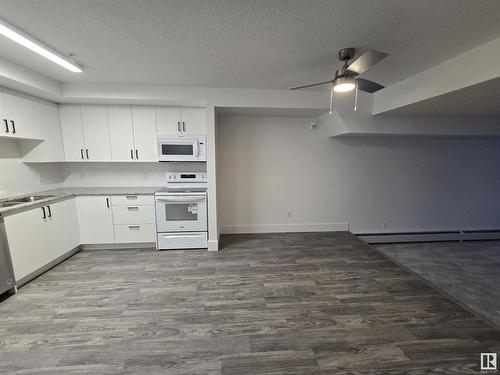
[64,227]
[168,121]
[180,121]
[72,132]
[96,132]
[41,235]
[193,121]
[121,133]
[85,132]
[29,241]
[132,200]
[96,219]
[134,214]
[49,127]
[144,126]
[20,117]
[135,233]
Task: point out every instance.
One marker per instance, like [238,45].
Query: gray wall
[268,166]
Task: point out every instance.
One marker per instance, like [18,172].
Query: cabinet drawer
[132,200]
[135,233]
[134,214]
[182,240]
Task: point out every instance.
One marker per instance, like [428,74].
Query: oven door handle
[182,199]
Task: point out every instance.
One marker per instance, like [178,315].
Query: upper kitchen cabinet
[96,132]
[193,121]
[168,121]
[121,133]
[144,126]
[49,128]
[72,132]
[85,133]
[180,121]
[133,133]
[21,117]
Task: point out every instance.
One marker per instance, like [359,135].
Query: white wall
[19,178]
[122,174]
[267,166]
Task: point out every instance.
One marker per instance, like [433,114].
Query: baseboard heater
[465,235]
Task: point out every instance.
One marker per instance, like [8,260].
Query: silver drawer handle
[133,208]
[131,196]
[134,227]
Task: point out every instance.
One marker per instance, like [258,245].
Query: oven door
[178,149]
[177,213]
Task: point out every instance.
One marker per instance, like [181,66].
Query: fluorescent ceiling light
[343,85]
[17,36]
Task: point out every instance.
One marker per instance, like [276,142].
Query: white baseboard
[284,228]
[470,235]
[213,245]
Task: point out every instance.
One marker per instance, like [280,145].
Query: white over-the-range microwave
[188,148]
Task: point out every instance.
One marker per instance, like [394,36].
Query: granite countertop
[57,195]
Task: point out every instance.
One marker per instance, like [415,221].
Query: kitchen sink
[31,198]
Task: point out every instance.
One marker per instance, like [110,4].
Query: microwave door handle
[196,149]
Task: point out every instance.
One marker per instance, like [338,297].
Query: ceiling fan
[346,78]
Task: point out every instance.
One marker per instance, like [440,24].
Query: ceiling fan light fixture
[343,84]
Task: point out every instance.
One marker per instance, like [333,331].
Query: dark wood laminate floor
[322,303]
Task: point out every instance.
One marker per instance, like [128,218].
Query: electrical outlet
[385,225]
[288,213]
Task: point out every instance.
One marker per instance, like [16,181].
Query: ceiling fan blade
[366,61]
[310,85]
[368,86]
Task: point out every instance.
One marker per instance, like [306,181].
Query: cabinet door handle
[134,227]
[179,126]
[107,202]
[81,153]
[131,196]
[13,126]
[87,152]
[44,213]
[6,125]
[136,154]
[132,154]
[50,211]
[183,126]
[133,208]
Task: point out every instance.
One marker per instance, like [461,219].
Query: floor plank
[309,303]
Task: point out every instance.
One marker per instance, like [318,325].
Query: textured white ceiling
[247,44]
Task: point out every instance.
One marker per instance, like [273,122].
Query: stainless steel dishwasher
[7,281]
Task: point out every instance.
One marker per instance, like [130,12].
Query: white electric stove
[181,211]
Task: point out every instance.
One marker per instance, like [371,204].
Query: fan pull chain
[356,97]
[331,100]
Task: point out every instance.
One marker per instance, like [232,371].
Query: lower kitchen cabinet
[96,219]
[39,236]
[117,219]
[135,233]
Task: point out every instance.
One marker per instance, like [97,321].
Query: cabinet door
[22,116]
[96,219]
[144,121]
[96,133]
[72,132]
[193,120]
[168,121]
[64,228]
[51,149]
[29,241]
[4,124]
[121,133]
